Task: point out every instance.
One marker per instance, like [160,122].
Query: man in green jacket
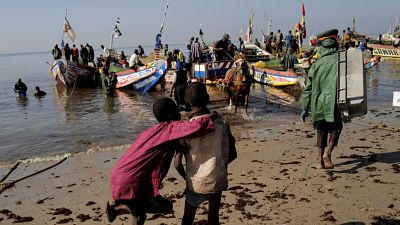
[320,96]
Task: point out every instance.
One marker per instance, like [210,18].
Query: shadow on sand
[365,161]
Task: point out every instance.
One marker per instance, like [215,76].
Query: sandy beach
[272,182]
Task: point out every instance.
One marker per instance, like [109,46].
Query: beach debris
[384,220]
[396,168]
[83,217]
[62,211]
[5,185]
[66,220]
[89,203]
[17,218]
[328,216]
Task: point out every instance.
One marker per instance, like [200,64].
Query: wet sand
[272,182]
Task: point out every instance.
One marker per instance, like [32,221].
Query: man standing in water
[320,95]
[20,88]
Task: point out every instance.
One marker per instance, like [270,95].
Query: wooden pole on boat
[112,39]
[65,16]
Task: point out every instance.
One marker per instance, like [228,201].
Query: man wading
[320,94]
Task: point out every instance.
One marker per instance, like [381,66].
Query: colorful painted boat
[275,77]
[68,73]
[385,50]
[212,70]
[142,79]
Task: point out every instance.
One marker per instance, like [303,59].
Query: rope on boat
[5,185]
[73,88]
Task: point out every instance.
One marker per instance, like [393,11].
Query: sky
[34,26]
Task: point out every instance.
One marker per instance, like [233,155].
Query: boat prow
[68,73]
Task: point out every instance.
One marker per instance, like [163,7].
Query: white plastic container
[352,85]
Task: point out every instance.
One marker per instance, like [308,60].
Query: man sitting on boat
[134,61]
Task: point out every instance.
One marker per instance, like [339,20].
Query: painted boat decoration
[212,70]
[68,73]
[275,77]
[385,50]
[373,62]
[142,79]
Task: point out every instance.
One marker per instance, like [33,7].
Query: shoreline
[271,182]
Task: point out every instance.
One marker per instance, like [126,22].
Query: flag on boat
[68,30]
[163,21]
[249,34]
[116,31]
[303,22]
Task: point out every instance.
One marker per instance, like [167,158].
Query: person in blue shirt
[288,40]
[188,63]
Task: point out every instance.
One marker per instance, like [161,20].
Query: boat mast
[65,16]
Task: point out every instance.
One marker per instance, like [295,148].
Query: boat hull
[68,73]
[275,77]
[143,79]
[212,70]
[385,50]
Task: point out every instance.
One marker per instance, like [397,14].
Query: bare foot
[110,212]
[320,164]
[327,162]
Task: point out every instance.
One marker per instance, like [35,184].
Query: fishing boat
[385,50]
[275,77]
[68,73]
[213,70]
[141,79]
[254,53]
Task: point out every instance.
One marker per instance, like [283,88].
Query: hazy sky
[36,25]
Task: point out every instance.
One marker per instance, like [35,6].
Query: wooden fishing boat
[141,79]
[275,77]
[212,70]
[68,73]
[385,50]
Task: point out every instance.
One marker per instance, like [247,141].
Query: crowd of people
[136,178]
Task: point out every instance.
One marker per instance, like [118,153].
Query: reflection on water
[22,101]
[70,120]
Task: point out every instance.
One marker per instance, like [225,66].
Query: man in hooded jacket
[320,96]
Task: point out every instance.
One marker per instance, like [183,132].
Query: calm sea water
[66,121]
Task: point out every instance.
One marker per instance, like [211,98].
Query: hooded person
[319,96]
[137,176]
[20,88]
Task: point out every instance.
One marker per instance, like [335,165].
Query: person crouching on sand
[320,95]
[137,176]
[207,158]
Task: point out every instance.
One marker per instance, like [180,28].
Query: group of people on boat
[83,56]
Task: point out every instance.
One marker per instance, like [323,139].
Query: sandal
[111,213]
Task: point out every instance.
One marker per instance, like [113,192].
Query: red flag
[303,9]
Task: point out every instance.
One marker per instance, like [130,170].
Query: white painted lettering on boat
[144,83]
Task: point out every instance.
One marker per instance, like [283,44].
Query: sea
[70,121]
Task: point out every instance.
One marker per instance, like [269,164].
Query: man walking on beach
[207,158]
[320,95]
